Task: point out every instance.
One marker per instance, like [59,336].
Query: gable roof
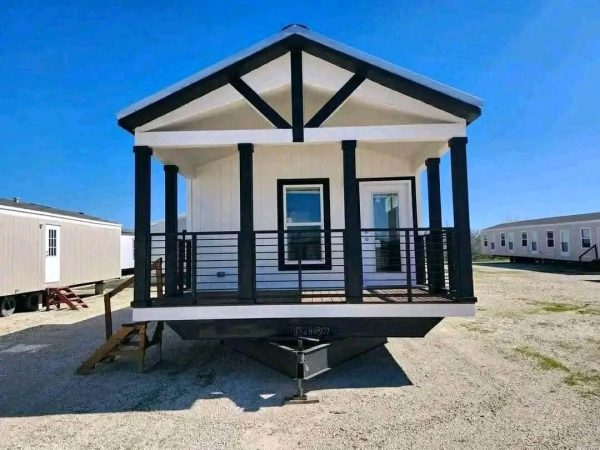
[50,210]
[549,220]
[389,75]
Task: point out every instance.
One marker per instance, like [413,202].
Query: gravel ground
[525,373]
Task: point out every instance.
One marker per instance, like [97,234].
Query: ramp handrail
[156,266]
[593,247]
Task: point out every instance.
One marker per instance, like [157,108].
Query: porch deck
[395,295]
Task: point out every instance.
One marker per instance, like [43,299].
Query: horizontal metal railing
[419,260]
[293,263]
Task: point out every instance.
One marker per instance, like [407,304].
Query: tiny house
[562,238]
[303,159]
[43,247]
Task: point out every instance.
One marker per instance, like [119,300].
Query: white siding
[215,206]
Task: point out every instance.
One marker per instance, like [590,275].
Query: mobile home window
[586,238]
[502,240]
[511,241]
[534,244]
[524,239]
[303,210]
[550,239]
[485,241]
[564,242]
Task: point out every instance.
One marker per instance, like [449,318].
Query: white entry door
[52,258]
[385,206]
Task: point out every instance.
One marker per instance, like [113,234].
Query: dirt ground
[525,373]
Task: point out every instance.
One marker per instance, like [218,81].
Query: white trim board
[303,311]
[379,133]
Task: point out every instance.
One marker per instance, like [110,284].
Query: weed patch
[587,383]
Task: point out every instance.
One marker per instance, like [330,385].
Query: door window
[386,220]
[52,242]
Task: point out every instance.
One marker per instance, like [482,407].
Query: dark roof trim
[205,85]
[379,71]
[557,220]
[50,210]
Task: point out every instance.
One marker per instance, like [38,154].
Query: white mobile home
[562,238]
[303,158]
[43,247]
[127,248]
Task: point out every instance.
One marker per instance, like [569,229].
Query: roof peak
[294,26]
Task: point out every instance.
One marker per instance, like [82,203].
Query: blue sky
[68,67]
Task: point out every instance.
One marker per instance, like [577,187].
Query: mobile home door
[52,258]
[385,206]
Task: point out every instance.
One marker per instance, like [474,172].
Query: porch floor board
[372,295]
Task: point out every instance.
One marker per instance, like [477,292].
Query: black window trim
[281,183]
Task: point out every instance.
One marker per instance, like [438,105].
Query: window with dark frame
[524,239]
[502,240]
[304,216]
[550,239]
[485,240]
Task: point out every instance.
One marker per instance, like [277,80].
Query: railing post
[450,252]
[141,289]
[194,262]
[408,266]
[300,254]
[180,277]
[246,239]
[352,234]
[419,258]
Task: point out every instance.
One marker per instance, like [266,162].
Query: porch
[309,267]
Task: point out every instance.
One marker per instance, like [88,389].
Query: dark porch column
[246,237]
[352,235]
[462,223]
[435,251]
[141,287]
[171,229]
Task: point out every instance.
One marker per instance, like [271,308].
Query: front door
[385,210]
[52,258]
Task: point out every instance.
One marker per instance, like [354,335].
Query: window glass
[51,242]
[550,239]
[303,221]
[502,240]
[564,241]
[524,239]
[303,205]
[511,243]
[485,241]
[586,238]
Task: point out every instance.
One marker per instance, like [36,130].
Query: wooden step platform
[59,295]
[130,338]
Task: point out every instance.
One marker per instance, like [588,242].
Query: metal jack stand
[304,372]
